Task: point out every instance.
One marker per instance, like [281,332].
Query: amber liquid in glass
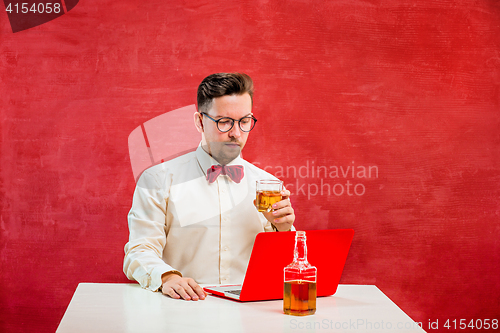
[265,200]
[299,298]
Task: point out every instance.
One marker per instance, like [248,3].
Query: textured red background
[410,87]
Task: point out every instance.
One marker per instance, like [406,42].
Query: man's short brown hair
[222,84]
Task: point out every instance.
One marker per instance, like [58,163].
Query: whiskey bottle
[299,295]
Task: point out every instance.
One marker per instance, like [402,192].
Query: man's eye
[224,122]
[246,120]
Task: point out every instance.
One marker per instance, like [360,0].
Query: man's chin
[227,154]
[230,154]
[224,153]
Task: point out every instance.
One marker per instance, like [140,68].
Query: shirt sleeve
[146,220]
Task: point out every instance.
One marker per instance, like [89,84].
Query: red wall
[411,89]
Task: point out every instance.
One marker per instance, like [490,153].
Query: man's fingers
[177,287]
[284,219]
[198,290]
[194,290]
[192,295]
[281,204]
[283,212]
[182,292]
[287,210]
[170,292]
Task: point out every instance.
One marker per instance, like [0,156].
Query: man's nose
[235,132]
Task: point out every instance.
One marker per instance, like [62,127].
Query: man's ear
[198,122]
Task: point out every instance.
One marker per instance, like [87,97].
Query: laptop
[272,251]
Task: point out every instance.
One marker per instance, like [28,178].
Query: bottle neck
[300,252]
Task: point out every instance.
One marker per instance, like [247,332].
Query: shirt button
[225,248]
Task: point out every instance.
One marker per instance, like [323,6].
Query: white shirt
[180,222]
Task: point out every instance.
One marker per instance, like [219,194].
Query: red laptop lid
[272,251]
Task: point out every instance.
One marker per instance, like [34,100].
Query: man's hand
[178,287]
[282,216]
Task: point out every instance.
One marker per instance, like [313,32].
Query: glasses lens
[225,124]
[246,124]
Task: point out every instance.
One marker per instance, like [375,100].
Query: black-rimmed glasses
[225,124]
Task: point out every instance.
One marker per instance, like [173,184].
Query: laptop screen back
[326,249]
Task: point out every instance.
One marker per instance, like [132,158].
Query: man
[193,218]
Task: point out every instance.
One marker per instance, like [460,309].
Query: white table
[99,307]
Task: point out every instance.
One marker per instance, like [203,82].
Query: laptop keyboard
[235,292]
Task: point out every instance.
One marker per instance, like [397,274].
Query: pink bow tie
[235,172]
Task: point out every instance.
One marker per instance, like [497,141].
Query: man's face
[225,147]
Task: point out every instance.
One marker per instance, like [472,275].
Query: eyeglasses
[225,124]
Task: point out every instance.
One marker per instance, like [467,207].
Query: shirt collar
[206,161]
